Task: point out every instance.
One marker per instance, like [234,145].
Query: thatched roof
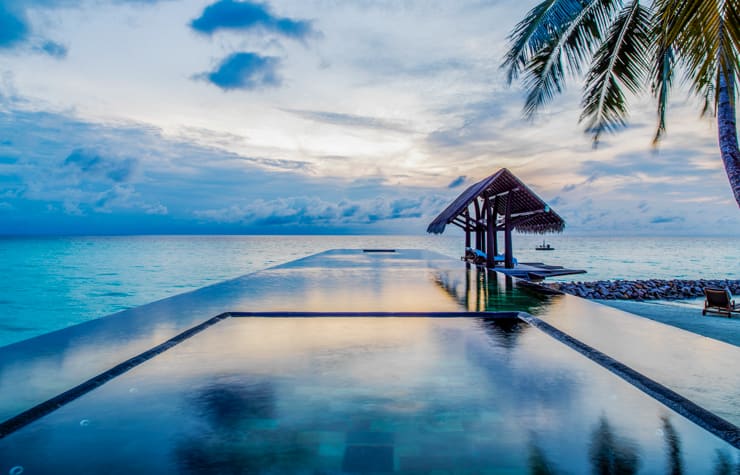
[508,187]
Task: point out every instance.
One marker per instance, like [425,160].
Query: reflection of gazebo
[500,202]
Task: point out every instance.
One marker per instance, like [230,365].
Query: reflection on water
[239,435]
[672,447]
[482,290]
[504,332]
[612,454]
[225,402]
[723,464]
[538,462]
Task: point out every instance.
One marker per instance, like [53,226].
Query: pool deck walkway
[701,369]
[685,314]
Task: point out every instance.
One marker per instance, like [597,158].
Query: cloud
[234,15]
[76,175]
[157,209]
[13,26]
[89,164]
[53,49]
[350,120]
[16,31]
[244,70]
[667,219]
[591,179]
[313,211]
[457,182]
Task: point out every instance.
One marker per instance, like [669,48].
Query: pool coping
[705,419]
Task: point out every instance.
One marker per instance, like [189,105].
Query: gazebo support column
[467,229]
[491,239]
[509,253]
[492,226]
[478,235]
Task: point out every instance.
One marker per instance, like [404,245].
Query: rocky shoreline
[652,289]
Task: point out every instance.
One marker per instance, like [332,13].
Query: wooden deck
[535,271]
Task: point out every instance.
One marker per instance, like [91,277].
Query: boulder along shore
[651,289]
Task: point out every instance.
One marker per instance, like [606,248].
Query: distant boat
[544,247]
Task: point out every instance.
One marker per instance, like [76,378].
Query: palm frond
[620,62]
[535,30]
[568,47]
[706,37]
[662,82]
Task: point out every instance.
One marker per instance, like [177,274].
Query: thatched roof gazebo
[500,202]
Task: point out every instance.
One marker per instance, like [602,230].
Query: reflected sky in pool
[366,395]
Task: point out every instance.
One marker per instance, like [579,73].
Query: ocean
[50,283]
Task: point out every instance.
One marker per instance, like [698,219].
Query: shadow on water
[239,432]
[477,289]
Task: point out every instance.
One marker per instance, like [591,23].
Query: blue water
[51,283]
[365,395]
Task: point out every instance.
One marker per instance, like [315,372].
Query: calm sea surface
[51,283]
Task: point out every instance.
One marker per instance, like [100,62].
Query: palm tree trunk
[727,128]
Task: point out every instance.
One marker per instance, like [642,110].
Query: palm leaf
[706,37]
[535,30]
[620,62]
[568,47]
[662,81]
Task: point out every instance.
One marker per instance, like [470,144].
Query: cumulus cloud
[125,176]
[17,32]
[457,182]
[245,16]
[53,49]
[13,25]
[244,71]
[313,211]
[90,164]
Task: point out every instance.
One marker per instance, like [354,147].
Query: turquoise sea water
[51,283]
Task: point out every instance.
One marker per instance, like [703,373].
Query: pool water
[365,395]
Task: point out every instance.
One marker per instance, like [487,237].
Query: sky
[313,116]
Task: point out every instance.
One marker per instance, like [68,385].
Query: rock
[645,289]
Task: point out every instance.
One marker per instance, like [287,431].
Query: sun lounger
[718,301]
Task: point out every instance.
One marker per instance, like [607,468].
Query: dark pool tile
[432,463]
[370,438]
[368,459]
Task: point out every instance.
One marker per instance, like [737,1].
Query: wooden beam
[459,222]
[529,213]
[505,192]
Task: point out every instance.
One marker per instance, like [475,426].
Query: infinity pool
[365,395]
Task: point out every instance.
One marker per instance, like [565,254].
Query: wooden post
[491,239]
[509,253]
[467,228]
[478,235]
[495,229]
[482,230]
